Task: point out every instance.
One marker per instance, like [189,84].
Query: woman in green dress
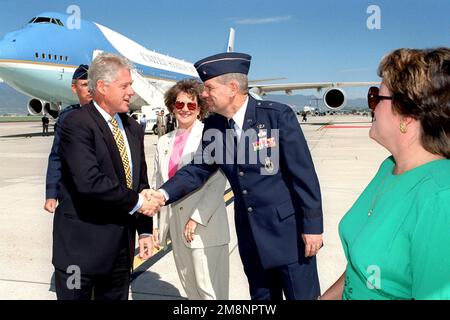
[396,236]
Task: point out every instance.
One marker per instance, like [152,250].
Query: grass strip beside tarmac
[20,118]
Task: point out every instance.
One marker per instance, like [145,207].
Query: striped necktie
[122,150]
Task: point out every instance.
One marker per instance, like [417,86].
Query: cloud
[263,20]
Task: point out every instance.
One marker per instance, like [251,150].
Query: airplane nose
[8,47]
[7,52]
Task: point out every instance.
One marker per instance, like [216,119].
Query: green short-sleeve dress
[396,236]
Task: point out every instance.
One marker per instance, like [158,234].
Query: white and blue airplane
[39,60]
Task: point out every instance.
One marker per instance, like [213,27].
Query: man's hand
[154,200]
[50,205]
[155,236]
[313,243]
[147,193]
[150,193]
[145,247]
[150,207]
[189,230]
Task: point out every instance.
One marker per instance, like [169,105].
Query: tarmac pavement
[344,156]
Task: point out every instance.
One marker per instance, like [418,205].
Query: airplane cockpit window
[42,20]
[58,22]
[46,20]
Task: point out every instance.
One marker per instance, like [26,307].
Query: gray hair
[241,79]
[105,67]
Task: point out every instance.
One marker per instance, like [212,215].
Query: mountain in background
[298,101]
[14,102]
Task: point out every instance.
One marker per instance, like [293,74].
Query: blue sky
[304,41]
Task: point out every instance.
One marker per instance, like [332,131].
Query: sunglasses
[374,98]
[190,105]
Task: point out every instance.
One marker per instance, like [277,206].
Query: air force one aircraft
[39,60]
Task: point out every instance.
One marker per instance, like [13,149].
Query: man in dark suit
[278,211]
[45,122]
[103,171]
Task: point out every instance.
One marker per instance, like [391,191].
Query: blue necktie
[231,125]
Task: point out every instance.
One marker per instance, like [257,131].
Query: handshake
[153,201]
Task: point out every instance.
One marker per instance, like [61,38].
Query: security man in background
[80,88]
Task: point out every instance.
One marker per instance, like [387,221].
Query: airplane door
[61,74]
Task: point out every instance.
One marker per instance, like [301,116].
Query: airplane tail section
[230,45]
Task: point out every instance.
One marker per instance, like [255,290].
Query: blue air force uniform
[276,191]
[54,161]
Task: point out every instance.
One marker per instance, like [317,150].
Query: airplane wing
[262,89]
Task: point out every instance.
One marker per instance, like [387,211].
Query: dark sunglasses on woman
[190,105]
[374,98]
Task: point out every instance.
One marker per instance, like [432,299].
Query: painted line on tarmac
[325,125]
[140,266]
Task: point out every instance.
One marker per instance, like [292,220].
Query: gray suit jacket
[206,205]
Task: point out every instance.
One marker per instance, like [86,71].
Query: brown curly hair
[191,87]
[419,81]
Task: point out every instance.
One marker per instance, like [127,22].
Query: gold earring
[403,127]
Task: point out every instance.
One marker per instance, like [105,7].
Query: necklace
[380,192]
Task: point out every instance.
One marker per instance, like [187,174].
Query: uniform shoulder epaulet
[266,104]
[69,108]
[213,119]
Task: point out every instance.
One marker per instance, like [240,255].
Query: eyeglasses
[373,97]
[190,105]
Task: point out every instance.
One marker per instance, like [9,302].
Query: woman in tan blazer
[197,224]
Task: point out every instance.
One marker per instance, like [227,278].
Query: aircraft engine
[335,98]
[37,107]
[256,93]
[52,109]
